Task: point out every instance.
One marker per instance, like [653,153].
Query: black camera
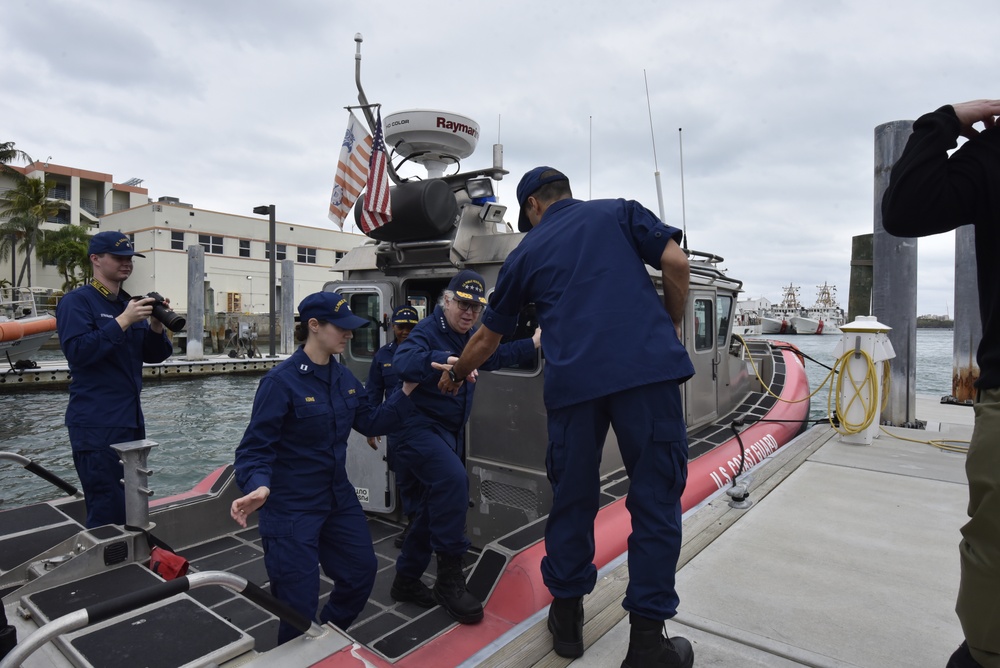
[164,314]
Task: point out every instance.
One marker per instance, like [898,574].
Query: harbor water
[199,422]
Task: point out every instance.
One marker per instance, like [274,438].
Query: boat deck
[848,557]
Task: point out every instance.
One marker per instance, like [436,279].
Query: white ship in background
[790,316]
[827,310]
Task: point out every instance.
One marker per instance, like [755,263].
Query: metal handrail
[158,592]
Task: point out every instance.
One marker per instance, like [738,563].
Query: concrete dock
[848,557]
[56,375]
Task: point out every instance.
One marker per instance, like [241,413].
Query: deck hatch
[163,636]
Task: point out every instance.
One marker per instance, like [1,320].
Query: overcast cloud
[230,104]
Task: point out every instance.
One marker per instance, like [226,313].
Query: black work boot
[647,647]
[401,538]
[962,658]
[450,591]
[566,626]
[411,590]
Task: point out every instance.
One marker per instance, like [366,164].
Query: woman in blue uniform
[291,465]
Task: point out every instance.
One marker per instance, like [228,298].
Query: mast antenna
[684,230]
[656,167]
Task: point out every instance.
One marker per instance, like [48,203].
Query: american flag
[352,169]
[376,211]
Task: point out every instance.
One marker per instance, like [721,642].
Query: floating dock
[848,557]
[55,375]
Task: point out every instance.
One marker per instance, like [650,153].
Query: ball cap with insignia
[469,286]
[329,307]
[112,242]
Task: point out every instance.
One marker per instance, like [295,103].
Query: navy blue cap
[469,286]
[330,307]
[112,242]
[529,185]
[405,315]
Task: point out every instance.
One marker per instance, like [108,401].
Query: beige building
[89,195]
[237,266]
[236,260]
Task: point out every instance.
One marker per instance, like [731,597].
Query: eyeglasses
[469,306]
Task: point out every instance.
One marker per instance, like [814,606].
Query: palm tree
[25,207]
[67,249]
[9,154]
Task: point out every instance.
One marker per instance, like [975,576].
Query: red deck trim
[520,592]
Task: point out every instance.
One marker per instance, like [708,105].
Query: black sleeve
[930,192]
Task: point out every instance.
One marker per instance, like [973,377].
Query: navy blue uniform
[432,443]
[106,367]
[382,380]
[612,357]
[296,445]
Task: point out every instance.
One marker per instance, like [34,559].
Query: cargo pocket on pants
[670,454]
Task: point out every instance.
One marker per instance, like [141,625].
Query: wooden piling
[894,284]
[968,330]
[859,297]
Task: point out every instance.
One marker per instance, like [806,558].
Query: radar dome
[430,136]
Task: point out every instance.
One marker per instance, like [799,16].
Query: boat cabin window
[704,319]
[366,339]
[724,308]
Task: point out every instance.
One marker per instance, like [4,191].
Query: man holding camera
[106,336]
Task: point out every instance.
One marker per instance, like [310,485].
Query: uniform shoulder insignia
[310,400]
[303,367]
[352,391]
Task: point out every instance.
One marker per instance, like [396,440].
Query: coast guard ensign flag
[376,211]
[352,169]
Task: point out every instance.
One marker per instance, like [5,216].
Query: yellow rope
[947,444]
[767,388]
[871,409]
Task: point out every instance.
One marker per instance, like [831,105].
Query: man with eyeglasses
[432,447]
[106,336]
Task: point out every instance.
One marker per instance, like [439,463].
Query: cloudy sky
[228,104]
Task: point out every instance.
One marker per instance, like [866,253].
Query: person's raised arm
[676,281]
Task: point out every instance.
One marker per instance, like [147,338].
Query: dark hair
[302,330]
[551,192]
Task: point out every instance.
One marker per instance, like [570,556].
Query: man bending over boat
[291,465]
[929,193]
[613,356]
[106,336]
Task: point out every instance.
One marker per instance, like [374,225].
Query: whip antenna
[684,230]
[656,167]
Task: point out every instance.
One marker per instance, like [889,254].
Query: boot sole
[567,650]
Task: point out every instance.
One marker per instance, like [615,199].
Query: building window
[339,255]
[176,241]
[280,255]
[307,255]
[210,243]
[244,248]
[234,302]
